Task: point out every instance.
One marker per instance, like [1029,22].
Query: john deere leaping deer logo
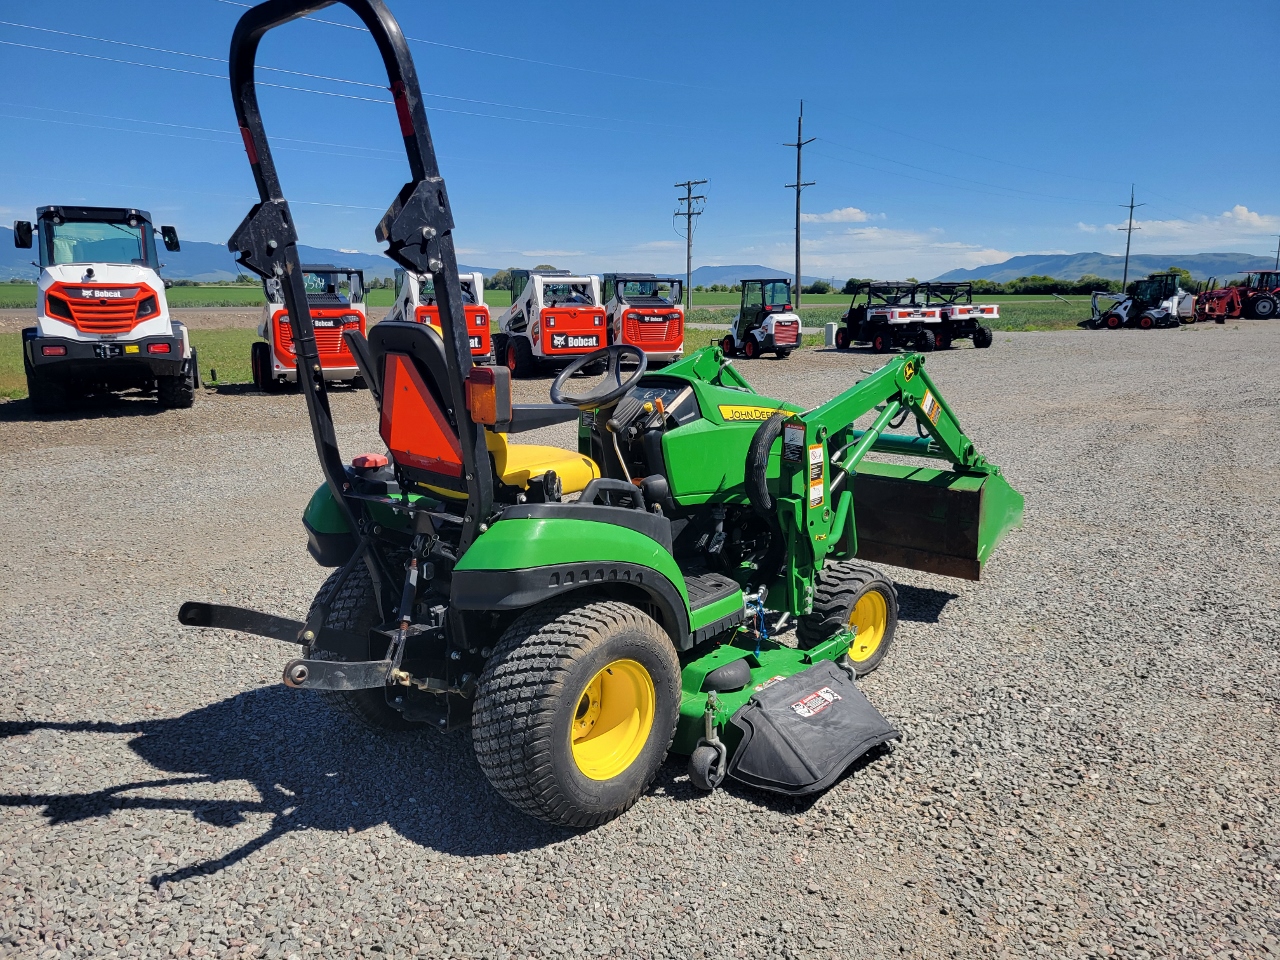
[908,371]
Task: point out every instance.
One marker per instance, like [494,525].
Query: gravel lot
[1090,768]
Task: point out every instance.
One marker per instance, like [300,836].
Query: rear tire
[943,341]
[982,337]
[260,364]
[927,342]
[728,347]
[842,338]
[46,395]
[500,341]
[881,343]
[354,609]
[1145,322]
[783,354]
[848,594]
[520,359]
[176,393]
[1264,308]
[576,710]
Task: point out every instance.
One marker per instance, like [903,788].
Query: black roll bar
[417,227]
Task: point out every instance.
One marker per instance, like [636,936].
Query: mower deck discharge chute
[586,611]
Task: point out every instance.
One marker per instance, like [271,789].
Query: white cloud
[659,245]
[1087,227]
[1239,226]
[553,253]
[842,215]
[880,252]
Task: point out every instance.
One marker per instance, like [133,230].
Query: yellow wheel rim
[870,617]
[612,719]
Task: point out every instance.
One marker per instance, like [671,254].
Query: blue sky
[950,135]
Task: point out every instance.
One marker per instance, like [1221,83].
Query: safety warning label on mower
[816,702]
[793,442]
[769,683]
[931,407]
[817,490]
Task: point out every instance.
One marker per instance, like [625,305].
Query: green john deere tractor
[588,611]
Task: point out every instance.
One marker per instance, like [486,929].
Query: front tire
[751,348]
[842,338]
[46,395]
[849,595]
[353,608]
[576,710]
[728,347]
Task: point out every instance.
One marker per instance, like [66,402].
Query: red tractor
[1257,298]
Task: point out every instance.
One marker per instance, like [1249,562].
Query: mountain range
[1072,266]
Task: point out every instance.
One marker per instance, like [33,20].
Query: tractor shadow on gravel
[315,770]
[312,769]
[922,604]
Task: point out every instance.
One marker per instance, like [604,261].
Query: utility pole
[687,201]
[798,186]
[1124,284]
[1278,251]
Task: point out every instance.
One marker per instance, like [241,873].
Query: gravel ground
[1090,763]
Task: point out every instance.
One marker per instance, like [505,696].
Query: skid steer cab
[585,611]
[765,322]
[1150,304]
[335,299]
[886,315]
[102,320]
[416,302]
[555,317]
[959,318]
[644,311]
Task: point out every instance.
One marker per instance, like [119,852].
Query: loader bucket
[938,521]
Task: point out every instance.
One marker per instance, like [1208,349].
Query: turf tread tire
[354,609]
[837,589]
[527,677]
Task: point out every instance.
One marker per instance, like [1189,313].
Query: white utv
[102,321]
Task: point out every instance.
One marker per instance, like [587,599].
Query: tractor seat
[418,422]
[518,463]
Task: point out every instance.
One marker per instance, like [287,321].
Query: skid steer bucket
[939,521]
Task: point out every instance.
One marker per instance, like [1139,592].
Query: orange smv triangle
[413,426]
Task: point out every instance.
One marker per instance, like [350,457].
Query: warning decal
[816,702]
[815,462]
[768,683]
[793,442]
[815,493]
[931,407]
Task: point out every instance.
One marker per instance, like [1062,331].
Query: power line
[1124,284]
[688,200]
[798,186]
[502,56]
[341,96]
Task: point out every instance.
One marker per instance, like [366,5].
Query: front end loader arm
[921,518]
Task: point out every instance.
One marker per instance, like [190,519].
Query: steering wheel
[612,388]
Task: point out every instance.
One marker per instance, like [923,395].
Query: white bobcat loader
[102,321]
[554,318]
[416,302]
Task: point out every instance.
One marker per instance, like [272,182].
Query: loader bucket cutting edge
[937,521]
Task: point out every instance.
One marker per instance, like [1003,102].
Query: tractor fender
[521,562]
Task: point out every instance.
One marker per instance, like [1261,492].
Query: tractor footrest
[706,588]
[800,734]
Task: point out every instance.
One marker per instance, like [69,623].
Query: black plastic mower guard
[800,734]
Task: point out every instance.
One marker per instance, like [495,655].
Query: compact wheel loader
[586,612]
